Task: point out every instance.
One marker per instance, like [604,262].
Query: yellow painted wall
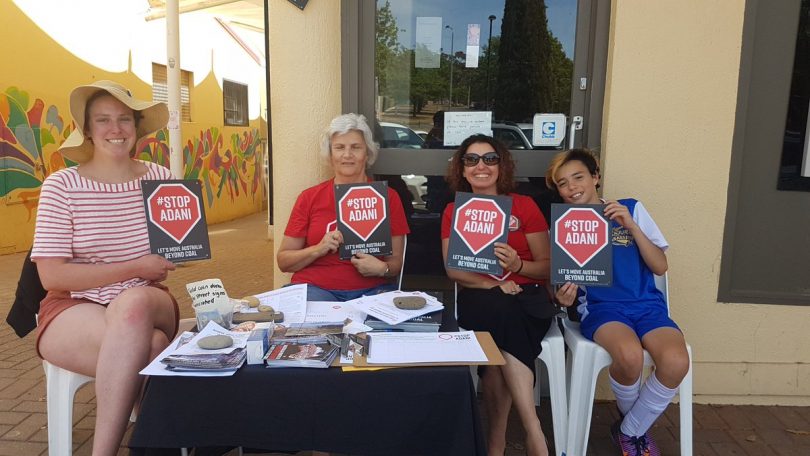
[36,76]
[304,97]
[671,102]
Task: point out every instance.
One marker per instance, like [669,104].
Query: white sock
[626,395]
[652,401]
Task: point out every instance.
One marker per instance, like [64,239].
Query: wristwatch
[387,270]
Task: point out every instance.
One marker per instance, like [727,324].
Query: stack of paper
[189,356]
[381,306]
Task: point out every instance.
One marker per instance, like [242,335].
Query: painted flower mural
[27,129]
[223,170]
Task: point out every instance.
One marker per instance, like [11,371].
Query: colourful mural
[230,168]
[29,133]
[26,129]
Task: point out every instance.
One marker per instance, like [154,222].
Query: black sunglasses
[489,158]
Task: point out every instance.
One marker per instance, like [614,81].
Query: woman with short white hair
[311,240]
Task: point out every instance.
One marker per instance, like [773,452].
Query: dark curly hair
[506,168]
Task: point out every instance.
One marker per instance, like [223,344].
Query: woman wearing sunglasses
[504,305]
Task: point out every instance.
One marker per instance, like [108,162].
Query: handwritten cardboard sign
[210,302]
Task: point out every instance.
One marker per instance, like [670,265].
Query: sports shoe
[633,446]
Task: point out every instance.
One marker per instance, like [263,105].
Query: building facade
[688,104]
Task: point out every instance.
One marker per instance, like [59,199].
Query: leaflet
[332,312]
[292,301]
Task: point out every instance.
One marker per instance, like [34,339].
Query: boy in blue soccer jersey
[631,315]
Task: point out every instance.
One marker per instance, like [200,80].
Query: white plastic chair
[60,387]
[60,390]
[552,354]
[402,268]
[586,361]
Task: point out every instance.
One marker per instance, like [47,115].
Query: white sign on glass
[473,43]
[472,56]
[459,125]
[428,42]
[548,129]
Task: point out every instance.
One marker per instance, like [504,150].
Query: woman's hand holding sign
[369,266]
[508,257]
[330,243]
[154,267]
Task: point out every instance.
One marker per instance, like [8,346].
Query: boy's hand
[566,294]
[619,212]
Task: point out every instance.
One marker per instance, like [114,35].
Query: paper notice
[210,303]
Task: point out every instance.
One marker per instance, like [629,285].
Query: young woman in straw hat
[106,313]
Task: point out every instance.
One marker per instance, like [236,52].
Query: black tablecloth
[406,411]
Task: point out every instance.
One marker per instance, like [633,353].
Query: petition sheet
[405,347]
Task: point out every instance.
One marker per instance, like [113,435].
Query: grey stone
[409,302]
[215,342]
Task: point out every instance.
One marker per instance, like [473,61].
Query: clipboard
[493,354]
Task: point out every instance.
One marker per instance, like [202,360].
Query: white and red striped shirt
[93,222]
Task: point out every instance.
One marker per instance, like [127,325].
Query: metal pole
[173,82]
[489,59]
[452,34]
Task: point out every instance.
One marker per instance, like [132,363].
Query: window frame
[753,197]
[160,79]
[241,99]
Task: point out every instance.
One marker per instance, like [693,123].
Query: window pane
[508,57]
[794,172]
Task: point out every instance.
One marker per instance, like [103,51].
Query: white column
[173,81]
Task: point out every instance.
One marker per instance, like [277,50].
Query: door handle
[576,124]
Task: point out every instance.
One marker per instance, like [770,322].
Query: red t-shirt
[312,217]
[526,218]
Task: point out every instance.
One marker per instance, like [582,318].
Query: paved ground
[243,260]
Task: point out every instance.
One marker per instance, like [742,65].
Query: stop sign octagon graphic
[174,209]
[362,210]
[479,222]
[581,233]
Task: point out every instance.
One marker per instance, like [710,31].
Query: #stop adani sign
[362,218]
[176,219]
[478,222]
[581,245]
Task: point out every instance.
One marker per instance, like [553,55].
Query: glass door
[499,65]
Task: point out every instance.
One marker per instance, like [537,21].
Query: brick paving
[243,259]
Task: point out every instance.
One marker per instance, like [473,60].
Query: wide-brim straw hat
[154,116]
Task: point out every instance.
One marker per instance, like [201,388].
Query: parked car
[511,136]
[399,136]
